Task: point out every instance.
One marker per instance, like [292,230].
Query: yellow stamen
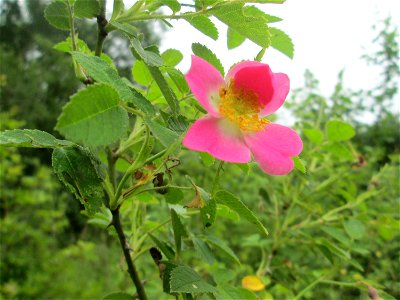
[241,107]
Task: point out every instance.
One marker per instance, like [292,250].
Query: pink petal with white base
[218,138]
[273,148]
[205,81]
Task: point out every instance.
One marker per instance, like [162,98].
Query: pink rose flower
[234,127]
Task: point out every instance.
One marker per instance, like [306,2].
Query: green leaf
[227,213]
[31,138]
[133,11]
[314,135]
[57,14]
[118,8]
[171,57]
[173,195]
[147,198]
[165,89]
[253,11]
[186,280]
[245,168]
[234,39]
[338,131]
[179,80]
[166,136]
[204,25]
[167,276]
[205,53]
[101,71]
[153,61]
[93,116]
[66,46]
[203,250]
[246,294]
[174,5]
[129,29]
[207,205]
[227,291]
[340,151]
[207,159]
[178,124]
[209,209]
[141,102]
[272,19]
[254,28]
[299,164]
[101,219]
[118,296]
[335,249]
[221,276]
[354,228]
[338,234]
[281,42]
[86,8]
[149,57]
[325,252]
[81,173]
[141,73]
[235,204]
[164,247]
[179,230]
[223,248]
[256,12]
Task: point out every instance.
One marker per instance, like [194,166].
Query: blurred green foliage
[35,78]
[334,231]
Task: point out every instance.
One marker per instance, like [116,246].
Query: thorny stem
[187,15]
[136,165]
[155,16]
[116,221]
[160,188]
[125,248]
[101,28]
[111,159]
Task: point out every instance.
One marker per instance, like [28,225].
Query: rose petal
[218,137]
[281,86]
[257,79]
[205,81]
[244,64]
[272,91]
[273,147]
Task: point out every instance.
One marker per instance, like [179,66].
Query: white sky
[328,36]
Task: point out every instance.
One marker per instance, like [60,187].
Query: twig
[125,248]
[101,29]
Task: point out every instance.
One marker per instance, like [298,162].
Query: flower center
[241,107]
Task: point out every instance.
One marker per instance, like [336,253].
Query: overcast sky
[329,35]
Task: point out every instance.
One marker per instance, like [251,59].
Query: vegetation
[333,222]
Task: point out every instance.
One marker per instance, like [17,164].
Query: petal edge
[204,81]
[207,134]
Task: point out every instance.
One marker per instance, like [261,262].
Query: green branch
[72,26]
